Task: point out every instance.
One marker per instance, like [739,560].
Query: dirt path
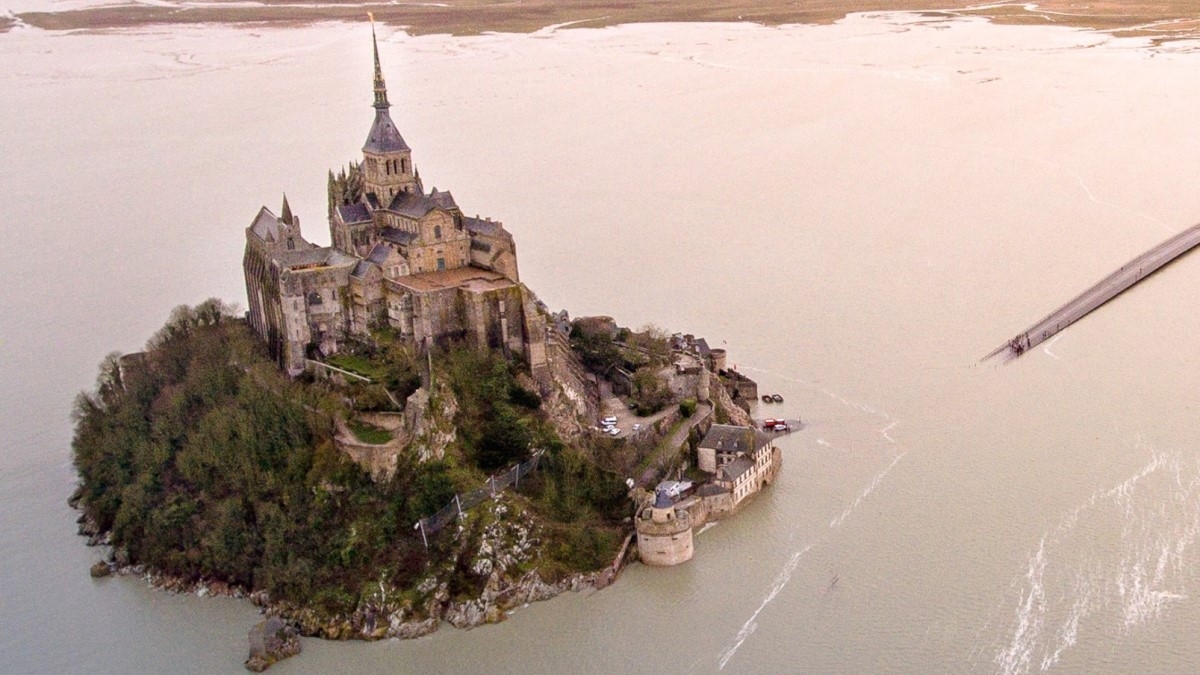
[672,444]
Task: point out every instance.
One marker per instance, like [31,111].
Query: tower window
[403,166]
[441,263]
[437,231]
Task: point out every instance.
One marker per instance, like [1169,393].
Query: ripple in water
[1113,564]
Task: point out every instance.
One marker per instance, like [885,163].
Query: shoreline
[367,624]
[1163,21]
[371,621]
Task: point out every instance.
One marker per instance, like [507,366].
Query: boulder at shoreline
[271,640]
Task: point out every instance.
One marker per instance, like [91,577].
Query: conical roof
[384,137]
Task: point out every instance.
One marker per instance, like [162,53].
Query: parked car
[780,426]
[614,431]
[610,420]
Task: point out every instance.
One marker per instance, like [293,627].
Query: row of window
[395,166]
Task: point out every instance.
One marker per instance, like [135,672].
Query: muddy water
[860,211]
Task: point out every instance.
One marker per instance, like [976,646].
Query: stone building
[664,532]
[741,461]
[399,256]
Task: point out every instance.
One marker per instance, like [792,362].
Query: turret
[387,160]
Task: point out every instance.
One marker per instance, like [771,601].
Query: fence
[467,501]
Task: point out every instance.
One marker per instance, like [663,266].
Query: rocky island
[398,432]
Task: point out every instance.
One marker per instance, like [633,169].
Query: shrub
[687,407]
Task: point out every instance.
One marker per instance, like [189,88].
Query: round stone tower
[664,533]
[718,360]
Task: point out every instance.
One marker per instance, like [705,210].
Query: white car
[613,431]
[609,421]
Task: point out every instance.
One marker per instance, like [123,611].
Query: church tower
[387,160]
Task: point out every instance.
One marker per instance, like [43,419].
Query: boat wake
[785,575]
[866,493]
[1111,565]
[789,567]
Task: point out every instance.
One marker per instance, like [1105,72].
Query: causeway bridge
[1106,289]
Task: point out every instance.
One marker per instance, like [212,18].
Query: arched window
[403,166]
[437,231]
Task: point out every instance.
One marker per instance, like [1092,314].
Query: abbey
[399,257]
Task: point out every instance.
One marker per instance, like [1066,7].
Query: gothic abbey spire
[387,159]
[381,101]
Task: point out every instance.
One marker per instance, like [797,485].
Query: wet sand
[1162,20]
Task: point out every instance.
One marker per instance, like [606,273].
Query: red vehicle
[770,422]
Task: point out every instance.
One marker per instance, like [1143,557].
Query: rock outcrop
[271,640]
[429,418]
[737,415]
[504,556]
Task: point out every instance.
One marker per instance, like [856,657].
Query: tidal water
[857,212]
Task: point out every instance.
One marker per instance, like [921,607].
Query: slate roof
[416,205]
[737,467]
[733,439]
[360,270]
[354,213]
[481,226]
[266,225]
[326,255]
[662,500]
[702,347]
[379,254]
[398,236]
[384,137]
[711,489]
[443,198]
